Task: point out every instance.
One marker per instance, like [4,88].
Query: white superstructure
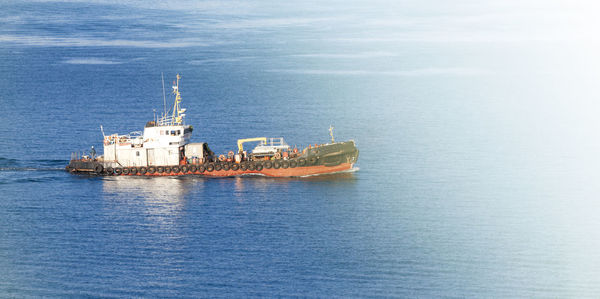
[163,142]
[269,147]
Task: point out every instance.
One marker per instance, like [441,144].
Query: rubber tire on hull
[118,171]
[276,165]
[151,170]
[175,169]
[226,166]
[143,170]
[210,167]
[285,164]
[244,166]
[184,169]
[193,168]
[259,166]
[301,162]
[201,169]
[218,166]
[98,169]
[235,167]
[251,166]
[268,164]
[293,164]
[312,160]
[110,171]
[133,170]
[125,171]
[167,169]
[160,169]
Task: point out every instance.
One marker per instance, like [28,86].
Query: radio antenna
[164,95]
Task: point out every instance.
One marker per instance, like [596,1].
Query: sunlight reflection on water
[161,199]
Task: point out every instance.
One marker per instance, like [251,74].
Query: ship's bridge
[168,135]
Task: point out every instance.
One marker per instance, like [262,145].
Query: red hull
[288,172]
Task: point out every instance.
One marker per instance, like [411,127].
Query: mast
[177,111]
[331,134]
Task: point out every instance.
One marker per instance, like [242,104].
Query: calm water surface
[477,126]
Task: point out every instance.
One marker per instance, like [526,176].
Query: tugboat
[164,149]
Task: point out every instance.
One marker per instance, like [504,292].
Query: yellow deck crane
[241,142]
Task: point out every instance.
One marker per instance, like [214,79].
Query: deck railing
[274,142]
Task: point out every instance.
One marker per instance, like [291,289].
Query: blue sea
[477,123]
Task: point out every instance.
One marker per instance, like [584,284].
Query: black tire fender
[98,168]
[301,162]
